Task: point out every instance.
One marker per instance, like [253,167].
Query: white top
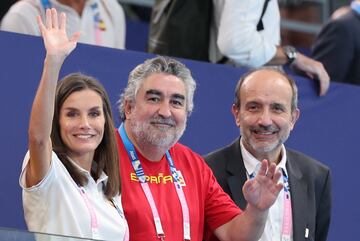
[21,18]
[274,221]
[234,32]
[56,206]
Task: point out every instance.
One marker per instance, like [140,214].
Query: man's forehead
[266,88]
[266,75]
[266,101]
[164,84]
[266,81]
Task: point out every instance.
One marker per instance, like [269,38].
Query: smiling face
[158,115]
[265,116]
[82,123]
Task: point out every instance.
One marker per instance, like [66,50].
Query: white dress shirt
[55,205]
[274,222]
[21,18]
[234,33]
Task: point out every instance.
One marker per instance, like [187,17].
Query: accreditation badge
[181,179]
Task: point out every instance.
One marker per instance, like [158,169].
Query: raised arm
[260,193]
[58,46]
[308,66]
[314,70]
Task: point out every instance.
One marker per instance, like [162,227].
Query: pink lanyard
[287,212]
[184,207]
[99,25]
[287,216]
[93,219]
[135,161]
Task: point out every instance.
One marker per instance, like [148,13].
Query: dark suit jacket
[338,47]
[310,188]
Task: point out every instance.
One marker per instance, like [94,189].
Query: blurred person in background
[337,45]
[246,33]
[102,22]
[4,7]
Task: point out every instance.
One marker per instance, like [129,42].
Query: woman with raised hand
[70,176]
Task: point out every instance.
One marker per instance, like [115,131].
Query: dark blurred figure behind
[338,45]
[4,6]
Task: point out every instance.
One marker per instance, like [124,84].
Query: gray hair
[294,98]
[159,64]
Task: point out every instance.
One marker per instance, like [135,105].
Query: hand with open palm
[54,34]
[261,192]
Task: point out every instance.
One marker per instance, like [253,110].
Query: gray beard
[146,133]
[269,148]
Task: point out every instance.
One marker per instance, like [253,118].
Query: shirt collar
[252,164]
[103,177]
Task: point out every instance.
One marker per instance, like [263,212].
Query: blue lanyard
[145,186]
[136,162]
[285,179]
[46,4]
[355,6]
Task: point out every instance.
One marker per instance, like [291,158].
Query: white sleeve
[238,38]
[46,181]
[21,18]
[118,20]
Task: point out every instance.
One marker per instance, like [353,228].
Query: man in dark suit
[265,110]
[338,46]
